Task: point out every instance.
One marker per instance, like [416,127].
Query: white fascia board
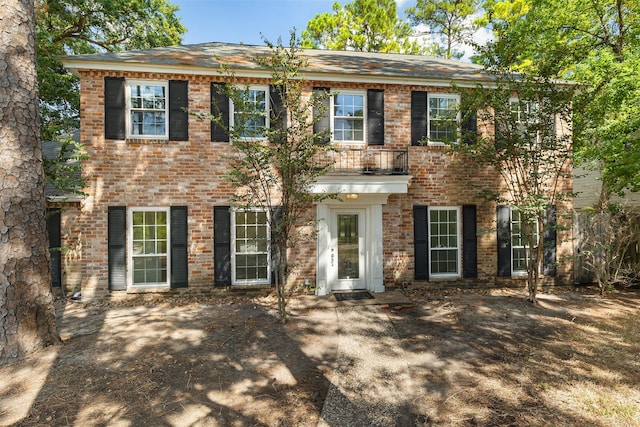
[340,184]
[75,66]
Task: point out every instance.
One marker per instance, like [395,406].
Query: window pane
[251,246]
[519,244]
[149,247]
[348,121]
[443,231]
[148,110]
[250,116]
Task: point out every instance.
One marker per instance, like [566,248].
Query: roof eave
[75,66]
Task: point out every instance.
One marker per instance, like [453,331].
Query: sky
[235,21]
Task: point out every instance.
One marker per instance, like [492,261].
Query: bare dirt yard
[478,358]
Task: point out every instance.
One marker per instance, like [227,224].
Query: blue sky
[236,21]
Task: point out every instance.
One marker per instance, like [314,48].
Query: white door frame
[371,207]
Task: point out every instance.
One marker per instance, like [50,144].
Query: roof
[206,58]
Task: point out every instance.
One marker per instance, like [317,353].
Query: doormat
[352,296]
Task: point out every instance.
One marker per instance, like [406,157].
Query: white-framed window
[527,116]
[522,111]
[443,118]
[147,104]
[250,247]
[519,246]
[252,117]
[348,118]
[444,241]
[149,254]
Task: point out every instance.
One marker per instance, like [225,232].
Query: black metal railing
[368,161]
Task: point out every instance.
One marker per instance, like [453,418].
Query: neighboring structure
[62,207]
[587,184]
[158,217]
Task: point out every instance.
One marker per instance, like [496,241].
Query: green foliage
[69,27]
[275,165]
[363,25]
[64,171]
[530,150]
[448,21]
[596,43]
[608,240]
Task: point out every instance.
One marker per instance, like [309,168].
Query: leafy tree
[64,171]
[363,25]
[27,316]
[275,164]
[530,151]
[608,241]
[596,43]
[71,27]
[449,21]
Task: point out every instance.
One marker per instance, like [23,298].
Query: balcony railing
[369,161]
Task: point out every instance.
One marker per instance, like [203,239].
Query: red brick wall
[174,173]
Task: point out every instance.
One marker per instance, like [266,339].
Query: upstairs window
[533,124]
[443,118]
[251,117]
[348,117]
[147,103]
[522,112]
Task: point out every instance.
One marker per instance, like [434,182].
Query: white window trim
[246,282]
[518,273]
[458,116]
[267,123]
[533,107]
[130,211]
[128,123]
[362,93]
[458,209]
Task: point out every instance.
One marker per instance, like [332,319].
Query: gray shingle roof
[239,57]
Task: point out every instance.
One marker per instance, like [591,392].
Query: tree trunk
[27,316]
[281,282]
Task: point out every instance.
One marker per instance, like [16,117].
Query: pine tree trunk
[27,316]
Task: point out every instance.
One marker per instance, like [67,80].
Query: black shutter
[375,116]
[278,114]
[178,115]
[114,108]
[179,257]
[55,242]
[469,242]
[219,105]
[421,242]
[549,242]
[503,216]
[117,247]
[469,126]
[222,245]
[418,116]
[324,123]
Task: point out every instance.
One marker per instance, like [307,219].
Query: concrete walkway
[371,385]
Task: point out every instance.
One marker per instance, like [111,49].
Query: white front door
[347,250]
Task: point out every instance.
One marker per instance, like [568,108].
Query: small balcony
[367,161]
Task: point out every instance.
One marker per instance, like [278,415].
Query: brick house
[157,215]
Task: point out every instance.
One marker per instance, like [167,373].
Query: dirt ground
[480,358]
